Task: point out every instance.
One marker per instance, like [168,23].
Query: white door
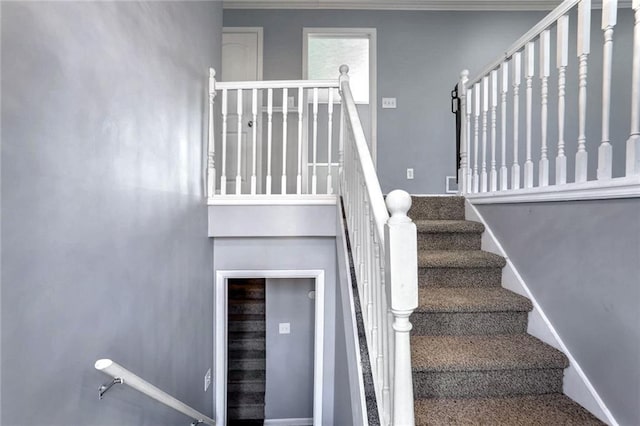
[242,61]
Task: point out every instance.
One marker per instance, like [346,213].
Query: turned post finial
[398,203]
[464,75]
[344,69]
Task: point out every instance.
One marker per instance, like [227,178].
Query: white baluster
[285,112]
[300,109]
[529,72]
[269,137]
[584,41]
[485,110]
[545,61]
[633,143]
[329,140]
[562,60]
[476,129]
[223,178]
[504,174]
[254,127]
[402,277]
[211,149]
[468,140]
[517,72]
[464,163]
[493,175]
[314,178]
[609,17]
[344,77]
[239,162]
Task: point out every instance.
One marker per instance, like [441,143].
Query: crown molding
[433,5]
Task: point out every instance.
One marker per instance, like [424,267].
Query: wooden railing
[384,253]
[487,108]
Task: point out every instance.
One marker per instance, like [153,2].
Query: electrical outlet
[284,328]
[388,102]
[207,380]
[409,174]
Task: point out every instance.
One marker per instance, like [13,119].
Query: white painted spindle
[314,177]
[504,174]
[239,145]
[211,149]
[402,275]
[285,112]
[517,72]
[254,127]
[300,117]
[633,143]
[462,94]
[545,65]
[562,52]
[493,174]
[223,178]
[529,72]
[605,152]
[329,140]
[584,41]
[468,142]
[476,129]
[485,110]
[269,137]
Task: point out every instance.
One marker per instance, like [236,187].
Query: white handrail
[117,371]
[277,84]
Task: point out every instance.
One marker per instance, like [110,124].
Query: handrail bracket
[104,388]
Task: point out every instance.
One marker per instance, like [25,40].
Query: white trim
[576,383]
[273,200]
[371,34]
[289,422]
[220,334]
[277,84]
[462,5]
[624,187]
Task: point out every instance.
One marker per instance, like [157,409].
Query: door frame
[221,296]
[373,65]
[259,31]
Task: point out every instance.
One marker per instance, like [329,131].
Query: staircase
[473,362]
[246,352]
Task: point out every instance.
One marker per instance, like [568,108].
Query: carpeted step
[246,322]
[241,291]
[482,366]
[530,410]
[258,386]
[235,399]
[246,307]
[247,364]
[246,341]
[237,376]
[248,411]
[449,234]
[459,268]
[469,311]
[437,208]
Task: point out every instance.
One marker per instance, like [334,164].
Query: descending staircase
[246,352]
[473,362]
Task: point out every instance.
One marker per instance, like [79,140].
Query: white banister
[301,102]
[605,153]
[329,141]
[476,142]
[254,127]
[517,72]
[462,94]
[269,137]
[223,178]
[239,143]
[503,131]
[314,177]
[493,174]
[467,108]
[285,104]
[562,51]
[485,110]
[122,375]
[633,143]
[529,72]
[584,42]
[545,65]
[211,148]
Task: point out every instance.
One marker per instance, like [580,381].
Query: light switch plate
[284,328]
[409,174]
[388,103]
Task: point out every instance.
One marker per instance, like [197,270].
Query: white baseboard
[289,422]
[576,384]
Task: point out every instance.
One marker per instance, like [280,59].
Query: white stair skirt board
[288,422]
[576,384]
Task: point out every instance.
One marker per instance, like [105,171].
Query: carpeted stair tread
[471,299]
[448,226]
[437,207]
[237,376]
[235,399]
[244,412]
[528,410]
[473,353]
[459,259]
[245,335]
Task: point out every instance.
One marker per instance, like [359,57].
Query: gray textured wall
[104,248]
[291,254]
[420,55]
[581,261]
[290,363]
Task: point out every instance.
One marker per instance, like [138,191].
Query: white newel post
[633,143]
[402,292]
[464,163]
[211,152]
